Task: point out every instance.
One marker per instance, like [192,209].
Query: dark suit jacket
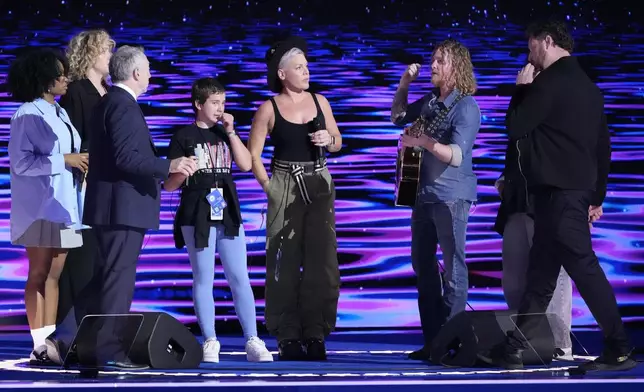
[123,182]
[514,198]
[564,138]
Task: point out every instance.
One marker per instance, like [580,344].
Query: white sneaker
[564,354]
[211,348]
[256,351]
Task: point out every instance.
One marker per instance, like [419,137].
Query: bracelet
[231,133]
[332,141]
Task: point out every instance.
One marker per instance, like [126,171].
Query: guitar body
[409,158]
[408,167]
[407,175]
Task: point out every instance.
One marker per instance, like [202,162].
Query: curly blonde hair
[462,76]
[83,50]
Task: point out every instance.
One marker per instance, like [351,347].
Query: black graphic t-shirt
[215,158]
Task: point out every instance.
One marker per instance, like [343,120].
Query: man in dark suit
[123,192]
[559,125]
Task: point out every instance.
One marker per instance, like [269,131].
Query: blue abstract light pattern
[357,68]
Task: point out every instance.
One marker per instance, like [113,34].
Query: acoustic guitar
[409,159]
[408,166]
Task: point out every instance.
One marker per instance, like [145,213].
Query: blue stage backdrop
[357,55]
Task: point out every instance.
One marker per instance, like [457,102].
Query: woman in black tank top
[302,273]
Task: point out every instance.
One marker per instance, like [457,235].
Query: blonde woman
[89,54]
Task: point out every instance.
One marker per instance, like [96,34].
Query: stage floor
[374,361]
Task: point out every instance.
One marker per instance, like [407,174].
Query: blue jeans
[232,251]
[439,298]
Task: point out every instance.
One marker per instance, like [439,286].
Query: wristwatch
[231,133]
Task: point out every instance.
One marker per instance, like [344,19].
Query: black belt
[298,171]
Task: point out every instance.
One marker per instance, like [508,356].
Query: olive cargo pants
[302,272]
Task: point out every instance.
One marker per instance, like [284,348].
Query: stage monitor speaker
[164,343]
[149,338]
[468,333]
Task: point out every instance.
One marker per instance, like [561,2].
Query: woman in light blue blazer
[46,171]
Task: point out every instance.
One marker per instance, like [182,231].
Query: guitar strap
[438,120]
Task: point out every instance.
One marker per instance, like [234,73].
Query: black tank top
[292,141]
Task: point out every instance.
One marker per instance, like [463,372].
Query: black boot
[315,350]
[422,354]
[291,350]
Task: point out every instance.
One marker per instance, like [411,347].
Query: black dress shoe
[607,362]
[127,365]
[315,350]
[422,354]
[503,355]
[290,350]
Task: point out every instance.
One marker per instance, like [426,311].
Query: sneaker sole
[210,360]
[252,358]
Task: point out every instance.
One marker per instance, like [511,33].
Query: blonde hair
[462,76]
[83,50]
[287,56]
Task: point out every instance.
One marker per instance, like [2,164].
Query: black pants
[74,283]
[113,288]
[562,237]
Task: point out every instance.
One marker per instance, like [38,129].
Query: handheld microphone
[190,152]
[317,125]
[190,148]
[79,176]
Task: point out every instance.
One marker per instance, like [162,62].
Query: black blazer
[560,124]
[515,196]
[123,182]
[79,102]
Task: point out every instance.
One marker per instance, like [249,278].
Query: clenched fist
[228,121]
[526,75]
[321,138]
[411,73]
[184,166]
[79,161]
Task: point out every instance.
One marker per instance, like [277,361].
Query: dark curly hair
[34,72]
[556,29]
[204,88]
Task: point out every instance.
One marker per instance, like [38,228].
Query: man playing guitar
[446,122]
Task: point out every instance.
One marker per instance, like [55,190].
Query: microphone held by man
[186,166]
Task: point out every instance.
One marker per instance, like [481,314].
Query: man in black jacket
[559,126]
